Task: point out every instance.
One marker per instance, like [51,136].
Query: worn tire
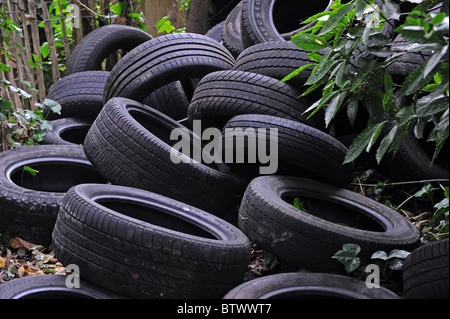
[129,144]
[426,272]
[80,95]
[275,59]
[29,205]
[309,240]
[67,131]
[302,150]
[221,95]
[52,287]
[307,286]
[163,60]
[144,245]
[231,32]
[267,20]
[90,52]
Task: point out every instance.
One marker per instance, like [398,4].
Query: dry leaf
[2,262]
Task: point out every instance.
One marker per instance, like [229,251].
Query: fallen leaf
[2,262]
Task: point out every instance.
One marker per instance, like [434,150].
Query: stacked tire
[155,221]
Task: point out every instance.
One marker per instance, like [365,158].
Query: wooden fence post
[36,47]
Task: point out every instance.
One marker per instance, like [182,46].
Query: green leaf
[396,264]
[309,42]
[366,139]
[53,105]
[434,60]
[365,70]
[348,257]
[416,80]
[334,107]
[336,17]
[391,10]
[31,171]
[296,72]
[405,115]
[380,255]
[398,253]
[352,248]
[385,144]
[117,8]
[352,108]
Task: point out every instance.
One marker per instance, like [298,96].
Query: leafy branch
[351,53]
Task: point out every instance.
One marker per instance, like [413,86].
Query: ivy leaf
[53,105]
[398,253]
[380,255]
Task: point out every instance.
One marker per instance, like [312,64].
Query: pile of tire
[143,221]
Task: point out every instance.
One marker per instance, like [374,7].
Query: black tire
[29,205]
[277,60]
[129,144]
[271,20]
[168,58]
[309,240]
[52,287]
[221,95]
[144,245]
[307,286]
[426,272]
[216,32]
[171,99]
[302,150]
[90,52]
[231,32]
[80,95]
[67,131]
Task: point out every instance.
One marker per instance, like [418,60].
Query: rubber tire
[80,95]
[30,211]
[302,150]
[221,95]
[258,21]
[130,152]
[277,60]
[426,272]
[90,52]
[52,287]
[144,245]
[307,286]
[231,32]
[169,58]
[309,240]
[67,131]
[216,32]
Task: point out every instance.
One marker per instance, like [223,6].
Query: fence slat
[28,69]
[36,47]
[51,42]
